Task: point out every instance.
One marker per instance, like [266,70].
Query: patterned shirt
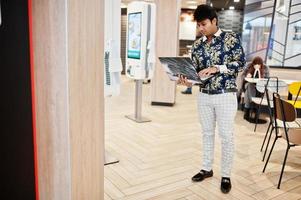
[225,52]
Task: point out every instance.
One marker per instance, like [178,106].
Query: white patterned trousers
[218,109]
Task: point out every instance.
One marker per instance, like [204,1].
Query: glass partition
[256,28]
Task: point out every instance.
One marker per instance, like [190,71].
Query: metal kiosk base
[138,104]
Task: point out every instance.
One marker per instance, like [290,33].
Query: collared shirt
[225,52]
[218,33]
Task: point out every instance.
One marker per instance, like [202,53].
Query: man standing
[219,53]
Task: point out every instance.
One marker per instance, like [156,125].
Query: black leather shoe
[226,185]
[247,114]
[202,175]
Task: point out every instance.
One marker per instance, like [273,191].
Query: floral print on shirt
[224,49]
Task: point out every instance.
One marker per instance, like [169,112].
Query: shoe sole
[225,191]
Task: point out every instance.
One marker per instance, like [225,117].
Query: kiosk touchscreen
[140,51]
[134,35]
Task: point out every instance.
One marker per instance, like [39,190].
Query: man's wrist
[217,68]
[221,68]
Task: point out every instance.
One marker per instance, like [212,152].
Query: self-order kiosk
[140,53]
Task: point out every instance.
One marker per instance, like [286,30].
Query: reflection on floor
[158,158]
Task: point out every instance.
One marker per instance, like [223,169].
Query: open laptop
[175,66]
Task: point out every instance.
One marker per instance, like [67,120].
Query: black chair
[284,113]
[261,86]
[273,85]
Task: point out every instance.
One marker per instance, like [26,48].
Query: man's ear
[214,21]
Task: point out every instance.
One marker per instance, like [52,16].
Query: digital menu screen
[134,35]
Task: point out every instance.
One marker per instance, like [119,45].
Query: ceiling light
[211,4]
[123,5]
[231,8]
[236,1]
[192,7]
[191,2]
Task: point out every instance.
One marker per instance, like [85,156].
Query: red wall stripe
[33,100]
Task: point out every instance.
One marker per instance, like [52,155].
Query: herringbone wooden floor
[158,158]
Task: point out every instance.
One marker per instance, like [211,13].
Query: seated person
[256,69]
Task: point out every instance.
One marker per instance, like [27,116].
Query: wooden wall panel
[162,89]
[51,81]
[86,97]
[68,54]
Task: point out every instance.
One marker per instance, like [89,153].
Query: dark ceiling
[225,4]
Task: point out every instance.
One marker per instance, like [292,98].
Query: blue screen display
[134,35]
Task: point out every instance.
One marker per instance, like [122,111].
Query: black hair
[203,12]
